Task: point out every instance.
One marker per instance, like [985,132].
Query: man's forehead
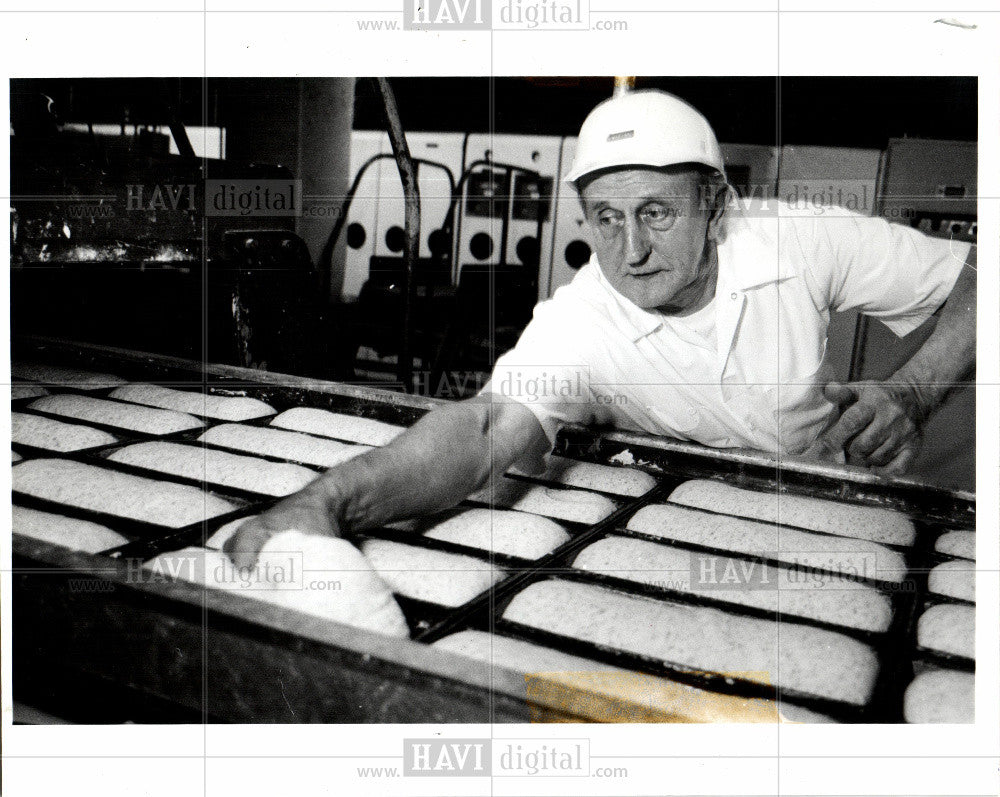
[641,183]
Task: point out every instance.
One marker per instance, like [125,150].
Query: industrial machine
[362,215]
[439,168]
[506,220]
[571,242]
[116,241]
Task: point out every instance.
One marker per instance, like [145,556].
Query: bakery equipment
[168,650]
[571,242]
[506,218]
[117,247]
[362,215]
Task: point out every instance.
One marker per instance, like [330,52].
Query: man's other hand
[306,511]
[878,427]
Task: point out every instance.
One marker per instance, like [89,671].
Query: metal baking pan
[226,657]
[101,456]
[117,431]
[670,462]
[901,601]
[192,436]
[134,529]
[712,682]
[759,471]
[761,557]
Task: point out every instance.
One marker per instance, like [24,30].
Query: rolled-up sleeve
[888,271]
[547,372]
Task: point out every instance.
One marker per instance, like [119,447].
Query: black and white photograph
[550,429]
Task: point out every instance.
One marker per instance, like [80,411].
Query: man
[693,319]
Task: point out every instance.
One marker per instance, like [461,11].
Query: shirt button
[733,295]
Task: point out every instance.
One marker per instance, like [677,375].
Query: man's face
[653,236]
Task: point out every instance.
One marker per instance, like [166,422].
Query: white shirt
[591,356]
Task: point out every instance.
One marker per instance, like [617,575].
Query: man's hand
[307,511]
[880,427]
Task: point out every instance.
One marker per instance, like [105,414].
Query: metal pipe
[411,199]
[623,84]
[326,255]
[177,129]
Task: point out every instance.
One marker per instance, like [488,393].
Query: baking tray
[134,434]
[759,471]
[136,530]
[933,509]
[892,647]
[491,619]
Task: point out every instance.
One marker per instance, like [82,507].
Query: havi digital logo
[447,14]
[443,757]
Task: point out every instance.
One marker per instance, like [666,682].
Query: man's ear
[718,209]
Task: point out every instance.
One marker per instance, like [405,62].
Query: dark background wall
[844,111]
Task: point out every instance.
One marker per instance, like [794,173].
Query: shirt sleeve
[547,371]
[888,271]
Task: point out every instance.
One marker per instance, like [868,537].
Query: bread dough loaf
[337,425]
[120,494]
[944,696]
[948,628]
[22,391]
[352,592]
[435,576]
[578,506]
[209,405]
[815,514]
[957,543]
[76,378]
[282,445]
[114,413]
[320,576]
[586,475]
[955,578]
[80,535]
[804,549]
[830,599]
[53,435]
[516,654]
[659,695]
[216,467]
[811,660]
[501,531]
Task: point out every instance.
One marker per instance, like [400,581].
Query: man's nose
[637,247]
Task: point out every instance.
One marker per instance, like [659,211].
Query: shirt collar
[749,254]
[635,322]
[753,246]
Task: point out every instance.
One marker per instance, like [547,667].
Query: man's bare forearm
[433,465]
[949,354]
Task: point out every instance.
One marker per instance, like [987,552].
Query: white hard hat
[644,128]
